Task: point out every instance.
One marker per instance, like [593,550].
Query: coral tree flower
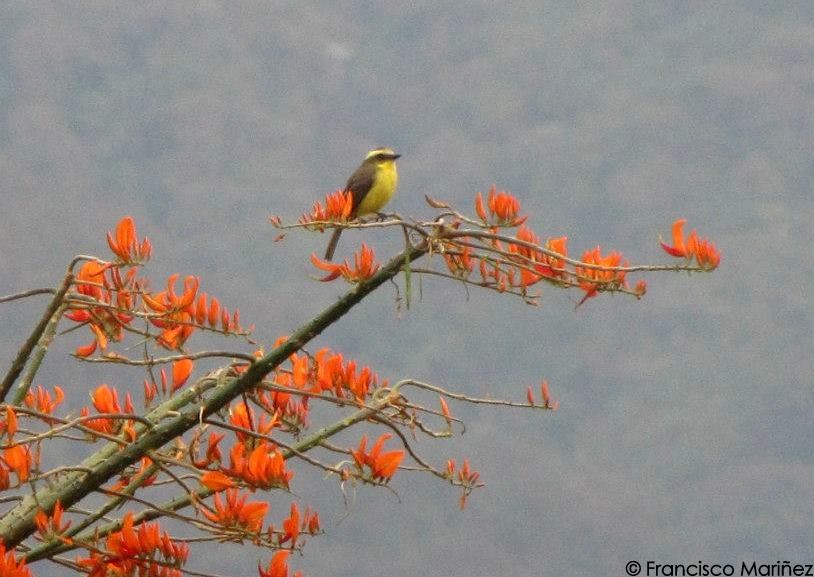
[177,314]
[136,551]
[9,566]
[51,526]
[365,266]
[503,209]
[338,208]
[104,284]
[278,566]
[236,513]
[701,249]
[382,465]
[261,467]
[125,244]
[536,265]
[592,280]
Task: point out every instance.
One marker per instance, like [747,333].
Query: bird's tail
[329,252]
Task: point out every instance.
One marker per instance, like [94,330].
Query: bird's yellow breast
[384,186]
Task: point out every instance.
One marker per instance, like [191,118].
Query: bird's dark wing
[360,183]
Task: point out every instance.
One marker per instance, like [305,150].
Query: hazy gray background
[685,425]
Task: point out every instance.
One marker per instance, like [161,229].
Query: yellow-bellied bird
[372,185]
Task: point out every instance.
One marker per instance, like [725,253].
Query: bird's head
[382,155]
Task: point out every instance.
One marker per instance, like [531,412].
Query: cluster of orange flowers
[324,372]
[536,265]
[701,249]
[125,245]
[593,280]
[109,298]
[104,284]
[512,265]
[278,566]
[10,567]
[17,459]
[519,265]
[235,513]
[51,526]
[262,467]
[42,401]
[503,209]
[297,524]
[338,207]
[144,551]
[105,400]
[330,373]
[364,267]
[179,315]
[255,462]
[382,465]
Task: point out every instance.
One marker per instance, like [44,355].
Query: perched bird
[371,186]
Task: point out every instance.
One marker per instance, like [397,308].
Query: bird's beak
[395,156]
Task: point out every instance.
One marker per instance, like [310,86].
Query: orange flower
[10,424]
[504,209]
[706,255]
[125,244]
[365,266]
[242,416]
[42,401]
[382,465]
[19,459]
[181,369]
[291,526]
[108,287]
[10,567]
[338,208]
[553,267]
[106,400]
[278,566]
[332,374]
[216,480]
[678,249]
[50,527]
[535,264]
[142,551]
[310,521]
[459,259]
[178,313]
[593,280]
[264,467]
[236,513]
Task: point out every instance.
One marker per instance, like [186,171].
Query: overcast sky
[684,432]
